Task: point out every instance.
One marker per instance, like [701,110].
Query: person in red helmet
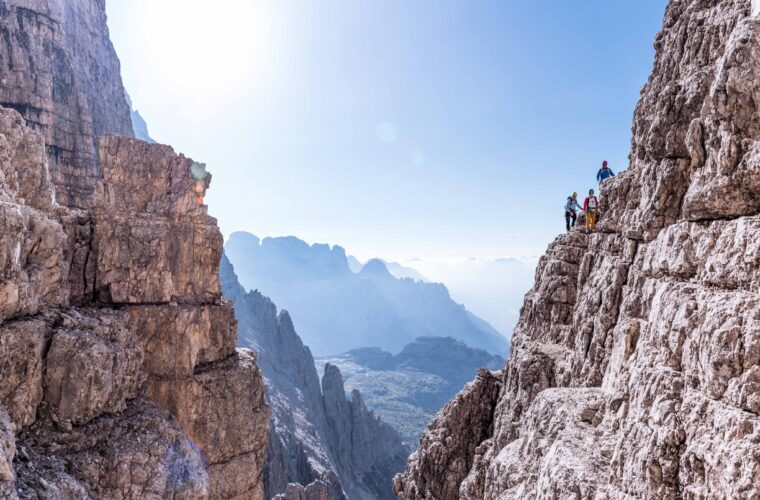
[604,173]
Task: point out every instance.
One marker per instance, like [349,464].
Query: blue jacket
[572,205]
[604,173]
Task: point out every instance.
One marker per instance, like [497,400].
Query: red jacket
[585,203]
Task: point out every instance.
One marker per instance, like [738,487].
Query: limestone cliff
[120,377]
[635,367]
[321,444]
[59,70]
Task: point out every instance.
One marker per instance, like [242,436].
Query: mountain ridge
[338,310]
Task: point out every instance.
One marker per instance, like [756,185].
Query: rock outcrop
[635,367]
[120,377]
[59,70]
[322,445]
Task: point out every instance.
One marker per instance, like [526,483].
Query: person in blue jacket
[604,173]
[571,210]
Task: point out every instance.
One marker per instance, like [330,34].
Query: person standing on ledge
[571,209]
[590,207]
[604,173]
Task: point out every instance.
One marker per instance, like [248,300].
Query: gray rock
[7,453]
[81,375]
[59,70]
[633,372]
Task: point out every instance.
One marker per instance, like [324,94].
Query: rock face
[635,367]
[338,310]
[59,70]
[408,389]
[117,352]
[321,445]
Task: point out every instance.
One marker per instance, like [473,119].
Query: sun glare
[200,47]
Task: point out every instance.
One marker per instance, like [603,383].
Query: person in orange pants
[590,208]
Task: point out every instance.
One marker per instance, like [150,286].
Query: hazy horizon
[431,130]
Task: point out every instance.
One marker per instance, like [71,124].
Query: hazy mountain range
[338,310]
[493,289]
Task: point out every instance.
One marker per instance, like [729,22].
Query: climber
[604,173]
[571,208]
[590,207]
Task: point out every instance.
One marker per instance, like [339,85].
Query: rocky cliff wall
[322,444]
[120,377]
[635,367]
[59,70]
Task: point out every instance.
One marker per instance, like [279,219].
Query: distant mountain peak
[376,268]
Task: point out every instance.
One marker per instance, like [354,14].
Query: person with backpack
[571,209]
[591,208]
[604,173]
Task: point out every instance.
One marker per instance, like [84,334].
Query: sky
[405,129]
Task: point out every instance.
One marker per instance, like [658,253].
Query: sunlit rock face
[119,376]
[59,70]
[117,352]
[634,370]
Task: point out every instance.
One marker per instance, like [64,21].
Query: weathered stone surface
[25,178]
[145,259]
[176,339]
[73,366]
[204,403]
[241,477]
[93,365]
[7,452]
[147,178]
[154,242]
[32,266]
[450,446]
[634,367]
[59,70]
[22,364]
[32,263]
[222,408]
[138,453]
[78,253]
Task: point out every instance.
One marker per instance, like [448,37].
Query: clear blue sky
[396,128]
